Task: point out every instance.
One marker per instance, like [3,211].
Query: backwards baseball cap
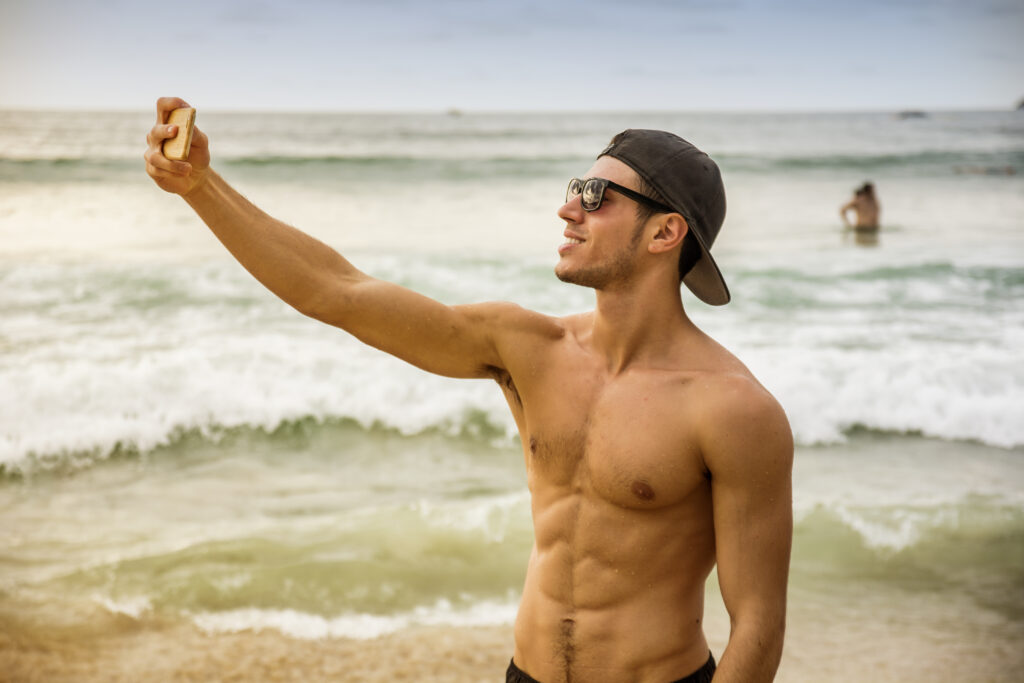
[690,183]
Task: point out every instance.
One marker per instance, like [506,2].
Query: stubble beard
[599,275]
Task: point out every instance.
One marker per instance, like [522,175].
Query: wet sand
[181,652]
[910,639]
[184,653]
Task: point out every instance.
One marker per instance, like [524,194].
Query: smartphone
[177,147]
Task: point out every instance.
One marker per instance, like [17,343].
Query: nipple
[642,490]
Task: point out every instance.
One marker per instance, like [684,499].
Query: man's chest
[628,439]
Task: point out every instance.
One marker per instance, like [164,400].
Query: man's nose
[572,210]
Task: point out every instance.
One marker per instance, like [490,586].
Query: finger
[199,139]
[165,105]
[160,174]
[156,159]
[161,132]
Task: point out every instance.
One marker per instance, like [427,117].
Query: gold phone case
[178,146]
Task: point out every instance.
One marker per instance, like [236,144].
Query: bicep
[455,341]
[750,463]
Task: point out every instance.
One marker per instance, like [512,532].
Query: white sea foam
[492,516]
[886,530]
[358,625]
[96,358]
[906,390]
[895,530]
[139,379]
[90,400]
[132,607]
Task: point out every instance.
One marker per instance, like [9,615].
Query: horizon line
[455,111]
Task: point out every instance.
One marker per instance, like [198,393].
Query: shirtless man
[651,452]
[865,204]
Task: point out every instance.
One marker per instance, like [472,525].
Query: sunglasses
[591,194]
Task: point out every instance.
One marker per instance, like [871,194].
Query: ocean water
[177,446]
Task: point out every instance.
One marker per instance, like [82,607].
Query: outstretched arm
[750,455]
[458,341]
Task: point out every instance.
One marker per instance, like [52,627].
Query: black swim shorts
[701,675]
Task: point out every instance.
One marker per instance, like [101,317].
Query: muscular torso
[621,504]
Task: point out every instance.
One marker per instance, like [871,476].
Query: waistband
[702,675]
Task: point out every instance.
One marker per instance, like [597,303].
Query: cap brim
[705,279]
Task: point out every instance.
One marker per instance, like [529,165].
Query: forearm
[752,654]
[291,264]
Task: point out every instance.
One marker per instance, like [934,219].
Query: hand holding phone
[177,151]
[177,147]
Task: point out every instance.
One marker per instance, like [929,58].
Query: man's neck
[638,323]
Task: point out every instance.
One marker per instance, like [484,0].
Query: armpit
[504,380]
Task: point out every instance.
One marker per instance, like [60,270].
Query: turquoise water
[177,444]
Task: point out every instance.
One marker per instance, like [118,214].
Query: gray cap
[691,184]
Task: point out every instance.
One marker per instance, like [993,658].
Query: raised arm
[458,341]
[852,204]
[748,449]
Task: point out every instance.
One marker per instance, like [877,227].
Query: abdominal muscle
[614,594]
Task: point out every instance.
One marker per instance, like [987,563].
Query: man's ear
[669,233]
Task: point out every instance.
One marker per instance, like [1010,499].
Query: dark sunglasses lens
[593,191]
[575,187]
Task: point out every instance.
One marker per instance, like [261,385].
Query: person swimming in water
[865,204]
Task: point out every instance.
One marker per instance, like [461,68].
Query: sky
[558,55]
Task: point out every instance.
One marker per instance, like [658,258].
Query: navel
[533,445]
[642,490]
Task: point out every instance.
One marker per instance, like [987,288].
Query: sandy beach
[125,651]
[896,648]
[438,654]
[184,653]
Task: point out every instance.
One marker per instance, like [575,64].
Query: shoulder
[740,422]
[509,318]
[735,389]
[520,337]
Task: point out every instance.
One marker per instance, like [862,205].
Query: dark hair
[691,251]
[866,189]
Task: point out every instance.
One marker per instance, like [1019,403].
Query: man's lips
[571,241]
